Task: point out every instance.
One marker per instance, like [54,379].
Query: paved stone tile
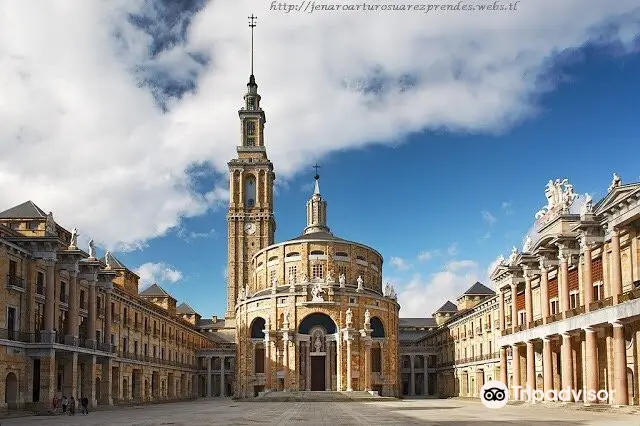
[402,412]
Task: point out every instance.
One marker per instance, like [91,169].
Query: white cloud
[460,265]
[453,249]
[399,263]
[425,256]
[83,138]
[489,218]
[189,236]
[156,273]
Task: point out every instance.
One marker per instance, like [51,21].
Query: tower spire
[316,209]
[252,25]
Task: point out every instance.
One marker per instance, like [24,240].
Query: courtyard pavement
[222,411]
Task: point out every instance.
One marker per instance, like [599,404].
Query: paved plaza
[397,412]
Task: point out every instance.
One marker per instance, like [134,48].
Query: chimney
[214,318]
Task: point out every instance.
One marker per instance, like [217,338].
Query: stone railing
[15,282]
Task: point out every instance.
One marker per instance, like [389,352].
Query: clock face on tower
[250,228]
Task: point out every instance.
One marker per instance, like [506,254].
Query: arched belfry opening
[318,352]
[250,192]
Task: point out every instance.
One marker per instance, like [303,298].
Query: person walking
[65,404]
[84,402]
[72,406]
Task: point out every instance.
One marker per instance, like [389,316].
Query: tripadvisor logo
[494,394]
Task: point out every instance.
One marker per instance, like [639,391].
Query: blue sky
[436,139]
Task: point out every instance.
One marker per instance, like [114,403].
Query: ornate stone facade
[570,303]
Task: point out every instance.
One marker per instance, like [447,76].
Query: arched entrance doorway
[318,358]
[11,391]
[98,393]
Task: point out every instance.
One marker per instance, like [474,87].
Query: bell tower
[250,221]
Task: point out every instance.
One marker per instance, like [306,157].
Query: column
[349,339]
[531,366]
[91,321]
[107,317]
[547,364]
[89,379]
[514,307]
[70,387]
[621,396]
[501,311]
[307,380]
[267,362]
[106,382]
[285,362]
[412,378]
[297,358]
[564,282]
[222,389]
[587,276]
[544,291]
[48,373]
[209,376]
[515,367]
[616,266]
[73,306]
[528,299]
[425,389]
[50,299]
[591,358]
[504,377]
[339,355]
[367,364]
[567,362]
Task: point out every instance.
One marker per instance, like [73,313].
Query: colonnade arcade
[318,356]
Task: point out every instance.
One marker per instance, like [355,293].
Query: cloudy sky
[436,131]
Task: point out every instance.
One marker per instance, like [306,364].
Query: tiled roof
[28,209]
[447,307]
[417,322]
[114,262]
[185,309]
[479,289]
[154,290]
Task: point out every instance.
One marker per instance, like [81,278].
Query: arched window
[257,328]
[250,192]
[377,327]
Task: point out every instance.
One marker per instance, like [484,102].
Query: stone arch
[317,319]
[377,327]
[257,328]
[11,391]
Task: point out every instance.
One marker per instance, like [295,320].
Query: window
[83,304]
[63,292]
[98,336]
[39,316]
[352,300]
[146,353]
[272,276]
[33,226]
[598,291]
[40,283]
[125,345]
[342,270]
[251,103]
[135,347]
[574,300]
[251,128]
[259,360]
[317,271]
[376,360]
[522,317]
[282,300]
[293,273]
[554,306]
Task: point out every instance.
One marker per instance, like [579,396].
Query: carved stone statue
[317,344]
[349,317]
[615,182]
[360,282]
[387,290]
[587,206]
[501,260]
[303,278]
[74,238]
[50,225]
[392,291]
[559,194]
[266,323]
[343,280]
[550,193]
[107,259]
[92,249]
[330,279]
[316,293]
[526,248]
[285,322]
[246,292]
[568,196]
[513,256]
[367,319]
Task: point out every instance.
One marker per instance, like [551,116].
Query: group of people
[69,405]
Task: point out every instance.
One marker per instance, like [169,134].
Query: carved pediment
[618,195]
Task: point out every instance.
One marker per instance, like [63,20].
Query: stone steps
[317,396]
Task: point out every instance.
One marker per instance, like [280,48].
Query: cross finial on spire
[317,176]
[252,25]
